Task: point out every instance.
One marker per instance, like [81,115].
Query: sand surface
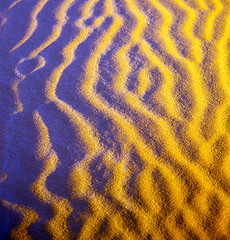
[114,119]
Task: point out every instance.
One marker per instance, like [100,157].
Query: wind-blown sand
[115,119]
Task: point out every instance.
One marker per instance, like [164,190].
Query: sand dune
[114,119]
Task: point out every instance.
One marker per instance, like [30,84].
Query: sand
[114,119]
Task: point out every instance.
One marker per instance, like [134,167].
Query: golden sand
[183,192]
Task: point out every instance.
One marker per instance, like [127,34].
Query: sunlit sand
[115,119]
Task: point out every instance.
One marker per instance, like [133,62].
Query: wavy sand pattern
[115,119]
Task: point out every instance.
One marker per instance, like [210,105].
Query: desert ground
[114,119]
